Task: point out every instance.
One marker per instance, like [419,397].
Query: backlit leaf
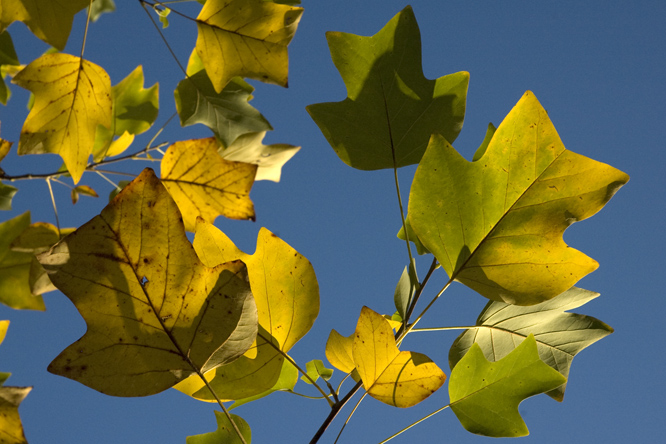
[134,111]
[496,224]
[11,429]
[246,38]
[7,193]
[82,189]
[394,377]
[15,267]
[50,20]
[8,57]
[316,369]
[285,288]
[559,335]
[205,185]
[285,382]
[225,433]
[248,148]
[100,7]
[227,113]
[485,395]
[155,313]
[391,109]
[72,97]
[339,351]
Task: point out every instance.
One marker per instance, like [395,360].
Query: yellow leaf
[50,20]
[11,430]
[339,351]
[394,377]
[496,224]
[205,185]
[285,289]
[72,97]
[155,313]
[246,38]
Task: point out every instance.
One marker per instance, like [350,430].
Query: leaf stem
[219,402]
[413,424]
[85,32]
[288,358]
[349,418]
[55,208]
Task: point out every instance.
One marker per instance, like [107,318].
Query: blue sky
[597,67]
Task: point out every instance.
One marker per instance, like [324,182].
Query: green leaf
[246,38]
[48,20]
[407,286]
[269,159]
[391,109]
[72,97]
[285,382]
[225,433]
[11,429]
[7,52]
[496,224]
[7,193]
[316,369]
[155,313]
[205,185]
[36,239]
[485,395]
[559,335]
[15,267]
[227,113]
[134,111]
[100,7]
[394,377]
[287,295]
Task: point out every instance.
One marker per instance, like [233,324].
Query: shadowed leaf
[246,38]
[155,313]
[72,97]
[496,224]
[559,335]
[227,113]
[285,288]
[391,109]
[50,20]
[205,185]
[485,395]
[15,266]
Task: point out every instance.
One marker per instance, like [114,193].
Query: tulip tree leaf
[15,266]
[249,148]
[11,429]
[225,433]
[155,313]
[36,239]
[49,20]
[496,224]
[205,185]
[285,382]
[8,57]
[246,38]
[485,395]
[339,351]
[134,111]
[227,113]
[100,7]
[316,369]
[287,295]
[72,97]
[394,377]
[559,335]
[391,109]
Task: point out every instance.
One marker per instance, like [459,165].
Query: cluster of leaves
[217,323]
